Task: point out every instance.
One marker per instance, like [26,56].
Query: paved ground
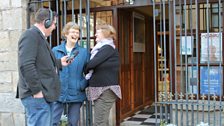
[146,117]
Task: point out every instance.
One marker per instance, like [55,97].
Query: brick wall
[12,24]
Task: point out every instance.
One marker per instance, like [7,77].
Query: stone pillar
[12,24]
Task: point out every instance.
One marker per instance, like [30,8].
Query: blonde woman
[103,72]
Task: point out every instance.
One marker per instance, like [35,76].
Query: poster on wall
[211,80]
[192,76]
[211,47]
[192,80]
[186,45]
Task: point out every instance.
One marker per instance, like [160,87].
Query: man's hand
[38,95]
[63,61]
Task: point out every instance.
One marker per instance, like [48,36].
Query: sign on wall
[186,45]
[211,80]
[211,47]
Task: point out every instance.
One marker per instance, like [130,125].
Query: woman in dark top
[103,72]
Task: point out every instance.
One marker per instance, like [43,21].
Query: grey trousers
[102,108]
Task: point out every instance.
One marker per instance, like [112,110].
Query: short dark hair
[43,14]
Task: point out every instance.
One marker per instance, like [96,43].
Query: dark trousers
[73,113]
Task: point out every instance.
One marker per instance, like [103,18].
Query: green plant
[162,123]
[63,123]
[64,120]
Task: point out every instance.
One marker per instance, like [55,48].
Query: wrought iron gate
[188,62]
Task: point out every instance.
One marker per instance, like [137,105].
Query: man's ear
[42,23]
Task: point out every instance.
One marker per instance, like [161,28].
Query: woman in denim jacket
[72,79]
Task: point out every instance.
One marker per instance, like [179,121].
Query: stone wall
[12,24]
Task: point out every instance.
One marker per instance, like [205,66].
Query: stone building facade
[12,24]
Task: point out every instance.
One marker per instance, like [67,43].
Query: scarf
[95,51]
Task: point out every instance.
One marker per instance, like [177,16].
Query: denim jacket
[73,82]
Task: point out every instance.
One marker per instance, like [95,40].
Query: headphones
[48,22]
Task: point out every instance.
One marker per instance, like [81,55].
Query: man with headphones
[39,84]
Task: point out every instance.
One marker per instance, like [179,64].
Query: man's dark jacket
[37,66]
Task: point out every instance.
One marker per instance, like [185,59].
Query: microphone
[72,56]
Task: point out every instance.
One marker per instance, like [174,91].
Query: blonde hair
[68,26]
[108,31]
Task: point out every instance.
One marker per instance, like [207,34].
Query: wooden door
[137,68]
[125,57]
